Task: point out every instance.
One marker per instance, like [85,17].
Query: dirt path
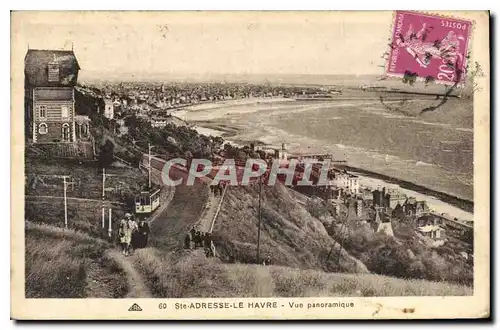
[103,282]
[135,282]
[206,218]
[212,208]
[264,283]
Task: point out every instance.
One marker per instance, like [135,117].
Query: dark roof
[36,67]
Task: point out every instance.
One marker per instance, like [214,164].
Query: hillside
[79,261]
[44,192]
[181,275]
[289,234]
[70,264]
[82,262]
[307,237]
[299,244]
[83,258]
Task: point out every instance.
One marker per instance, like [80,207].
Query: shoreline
[230,134]
[461,203]
[211,105]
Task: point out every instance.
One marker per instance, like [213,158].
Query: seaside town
[118,126]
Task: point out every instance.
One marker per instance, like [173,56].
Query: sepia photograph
[244,164]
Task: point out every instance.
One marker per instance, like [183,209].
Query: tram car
[147,201]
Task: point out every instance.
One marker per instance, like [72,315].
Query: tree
[106,154]
[399,213]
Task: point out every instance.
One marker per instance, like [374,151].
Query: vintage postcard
[250,165]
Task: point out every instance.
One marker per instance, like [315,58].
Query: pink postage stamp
[430,47]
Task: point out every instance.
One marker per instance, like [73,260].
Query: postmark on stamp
[430,47]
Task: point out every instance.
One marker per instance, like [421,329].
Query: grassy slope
[69,264]
[87,178]
[289,234]
[82,215]
[175,275]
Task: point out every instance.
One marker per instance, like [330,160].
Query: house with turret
[49,86]
[57,121]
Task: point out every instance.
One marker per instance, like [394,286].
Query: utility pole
[260,219]
[109,225]
[103,196]
[65,197]
[65,203]
[104,177]
[149,164]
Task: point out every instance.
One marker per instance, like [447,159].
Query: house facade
[432,231]
[412,207]
[109,109]
[281,154]
[50,78]
[389,198]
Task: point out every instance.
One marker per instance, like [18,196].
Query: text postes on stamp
[432,47]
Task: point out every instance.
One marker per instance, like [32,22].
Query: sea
[429,151]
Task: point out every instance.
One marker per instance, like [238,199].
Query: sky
[149,43]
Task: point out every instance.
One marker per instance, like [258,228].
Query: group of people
[197,239]
[133,235]
[217,189]
[267,261]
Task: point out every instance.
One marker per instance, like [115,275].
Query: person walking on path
[207,244]
[207,240]
[187,241]
[125,233]
[132,229]
[197,239]
[267,261]
[142,234]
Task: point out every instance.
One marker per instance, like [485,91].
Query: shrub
[106,154]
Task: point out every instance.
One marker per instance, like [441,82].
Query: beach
[385,148]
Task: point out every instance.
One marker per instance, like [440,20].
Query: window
[53,72]
[42,128]
[42,111]
[65,132]
[64,111]
[85,130]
